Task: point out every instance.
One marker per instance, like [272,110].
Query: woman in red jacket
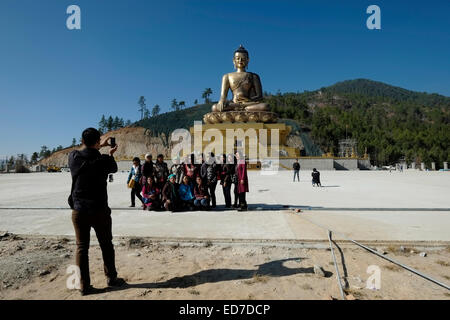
[242,180]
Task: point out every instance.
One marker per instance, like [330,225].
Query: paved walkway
[362,205]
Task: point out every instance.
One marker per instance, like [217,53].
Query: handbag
[132,183]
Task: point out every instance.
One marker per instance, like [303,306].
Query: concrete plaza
[363,205]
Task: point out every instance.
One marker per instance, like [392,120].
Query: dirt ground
[34,267]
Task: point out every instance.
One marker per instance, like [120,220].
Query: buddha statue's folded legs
[250,106]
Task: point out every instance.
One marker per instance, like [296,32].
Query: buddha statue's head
[241,58]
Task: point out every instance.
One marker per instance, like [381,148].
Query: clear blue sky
[55,82]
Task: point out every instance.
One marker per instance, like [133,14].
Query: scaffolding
[347,148]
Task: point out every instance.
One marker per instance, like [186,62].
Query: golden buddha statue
[247,104]
[246,87]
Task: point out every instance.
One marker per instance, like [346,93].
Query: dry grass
[393,267]
[306,287]
[194,292]
[443,263]
[396,250]
[208,244]
[257,278]
[358,294]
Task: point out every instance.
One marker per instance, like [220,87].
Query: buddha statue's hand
[220,106]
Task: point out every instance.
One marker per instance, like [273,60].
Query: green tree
[155,110]
[206,93]
[74,142]
[174,105]
[142,106]
[102,124]
[34,157]
[44,152]
[182,104]
[109,123]
[195,102]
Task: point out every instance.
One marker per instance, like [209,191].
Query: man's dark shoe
[90,290]
[115,282]
[242,209]
[132,206]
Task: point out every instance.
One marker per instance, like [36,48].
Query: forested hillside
[389,122]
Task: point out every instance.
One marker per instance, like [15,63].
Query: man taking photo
[89,203]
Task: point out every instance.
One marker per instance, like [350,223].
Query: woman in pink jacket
[242,180]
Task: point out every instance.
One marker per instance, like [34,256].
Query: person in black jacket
[296,167]
[226,173]
[208,173]
[148,170]
[89,204]
[316,178]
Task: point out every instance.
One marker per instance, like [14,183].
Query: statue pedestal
[240,116]
[234,134]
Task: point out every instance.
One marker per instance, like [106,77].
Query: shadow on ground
[269,269]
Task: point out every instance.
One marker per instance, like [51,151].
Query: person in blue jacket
[136,175]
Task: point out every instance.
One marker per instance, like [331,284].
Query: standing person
[296,167]
[190,169]
[170,194]
[151,195]
[316,178]
[186,191]
[232,160]
[178,170]
[201,195]
[226,172]
[242,179]
[161,171]
[148,167]
[89,203]
[135,175]
[208,174]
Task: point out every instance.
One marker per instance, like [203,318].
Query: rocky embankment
[132,142]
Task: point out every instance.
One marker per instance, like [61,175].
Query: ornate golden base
[240,116]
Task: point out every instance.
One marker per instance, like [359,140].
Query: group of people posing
[189,184]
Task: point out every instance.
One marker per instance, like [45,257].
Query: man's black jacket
[90,170]
[296,166]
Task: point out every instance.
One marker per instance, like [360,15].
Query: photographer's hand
[111,151]
[104,143]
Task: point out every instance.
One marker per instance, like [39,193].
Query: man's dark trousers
[102,224]
[297,174]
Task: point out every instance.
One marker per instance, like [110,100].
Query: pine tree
[141,104]
[174,105]
[109,124]
[155,111]
[102,124]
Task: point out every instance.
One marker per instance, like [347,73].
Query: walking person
[296,167]
[134,181]
[161,171]
[316,178]
[89,203]
[208,173]
[226,172]
[242,179]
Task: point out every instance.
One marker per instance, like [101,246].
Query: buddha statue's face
[240,60]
